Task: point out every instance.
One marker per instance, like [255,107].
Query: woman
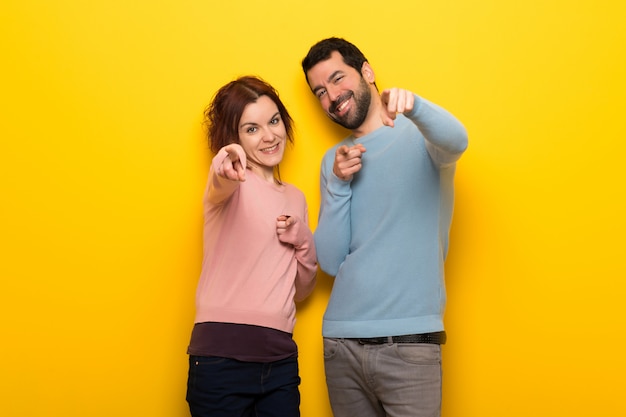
[259,258]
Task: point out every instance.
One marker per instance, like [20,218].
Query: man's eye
[321,93]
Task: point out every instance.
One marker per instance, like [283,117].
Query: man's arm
[446,137]
[332,235]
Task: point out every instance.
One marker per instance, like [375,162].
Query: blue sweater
[384,234]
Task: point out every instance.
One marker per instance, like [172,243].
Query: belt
[436,338]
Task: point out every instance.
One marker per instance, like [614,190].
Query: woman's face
[262,135]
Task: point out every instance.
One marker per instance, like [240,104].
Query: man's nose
[333,92]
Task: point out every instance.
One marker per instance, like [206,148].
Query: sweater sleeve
[299,236]
[219,189]
[332,236]
[446,137]
[306,256]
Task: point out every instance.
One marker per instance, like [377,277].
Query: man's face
[343,93]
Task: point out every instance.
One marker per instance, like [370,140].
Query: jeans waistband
[436,338]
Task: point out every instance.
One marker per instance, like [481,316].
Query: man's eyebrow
[330,78]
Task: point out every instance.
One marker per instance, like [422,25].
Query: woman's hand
[233,167]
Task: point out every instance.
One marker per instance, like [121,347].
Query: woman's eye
[251,130]
[275,121]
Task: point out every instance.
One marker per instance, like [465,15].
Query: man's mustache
[339,100]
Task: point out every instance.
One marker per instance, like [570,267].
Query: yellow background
[103,164]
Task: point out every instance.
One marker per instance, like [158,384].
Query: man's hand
[395,100]
[234,165]
[348,161]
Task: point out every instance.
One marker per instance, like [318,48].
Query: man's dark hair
[321,51]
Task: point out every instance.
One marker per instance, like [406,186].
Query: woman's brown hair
[223,115]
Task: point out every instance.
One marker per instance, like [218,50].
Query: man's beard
[355,118]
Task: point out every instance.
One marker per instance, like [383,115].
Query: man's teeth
[342,106]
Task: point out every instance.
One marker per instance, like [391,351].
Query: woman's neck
[265,172]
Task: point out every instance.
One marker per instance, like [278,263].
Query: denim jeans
[391,379]
[222,387]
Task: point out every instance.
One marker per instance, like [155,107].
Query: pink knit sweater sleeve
[219,189]
[300,236]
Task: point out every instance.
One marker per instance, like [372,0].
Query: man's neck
[373,120]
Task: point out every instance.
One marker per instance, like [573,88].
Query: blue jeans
[222,387]
[391,379]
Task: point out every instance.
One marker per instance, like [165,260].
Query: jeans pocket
[203,368]
[206,360]
[419,354]
[331,346]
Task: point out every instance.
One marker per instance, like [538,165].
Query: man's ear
[368,73]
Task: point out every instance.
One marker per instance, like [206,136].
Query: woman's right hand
[233,167]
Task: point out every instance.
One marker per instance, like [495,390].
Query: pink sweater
[248,275]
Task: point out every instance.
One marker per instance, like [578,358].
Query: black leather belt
[436,338]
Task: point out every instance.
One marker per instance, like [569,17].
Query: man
[387,196]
